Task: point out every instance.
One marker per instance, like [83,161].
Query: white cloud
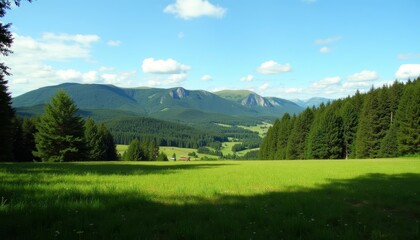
[206,78]
[408,71]
[247,78]
[405,56]
[169,66]
[324,41]
[325,50]
[363,76]
[122,78]
[188,9]
[294,90]
[114,43]
[272,67]
[106,69]
[326,82]
[264,87]
[170,80]
[78,38]
[32,59]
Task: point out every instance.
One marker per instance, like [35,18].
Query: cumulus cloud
[264,87]
[406,71]
[189,9]
[324,41]
[158,66]
[363,76]
[247,78]
[405,56]
[32,59]
[78,38]
[114,43]
[121,78]
[326,82]
[206,78]
[294,90]
[325,50]
[272,67]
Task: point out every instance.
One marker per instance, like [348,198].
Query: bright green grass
[261,129]
[357,199]
[183,152]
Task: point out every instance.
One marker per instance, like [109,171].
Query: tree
[286,124]
[24,143]
[298,136]
[7,113]
[60,136]
[108,139]
[389,145]
[408,119]
[134,151]
[350,118]
[94,141]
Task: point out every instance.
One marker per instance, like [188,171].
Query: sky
[279,48]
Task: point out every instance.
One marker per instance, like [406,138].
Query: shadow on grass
[374,206]
[101,168]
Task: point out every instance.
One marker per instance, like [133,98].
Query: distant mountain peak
[254,99]
[179,93]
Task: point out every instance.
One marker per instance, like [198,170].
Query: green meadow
[347,199]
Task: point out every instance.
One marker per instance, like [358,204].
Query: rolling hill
[173,104]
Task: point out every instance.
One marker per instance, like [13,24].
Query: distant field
[353,199]
[261,129]
[226,149]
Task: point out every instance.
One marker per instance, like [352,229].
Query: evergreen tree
[95,143]
[350,118]
[286,124]
[60,136]
[408,119]
[297,139]
[7,113]
[110,148]
[389,145]
[134,151]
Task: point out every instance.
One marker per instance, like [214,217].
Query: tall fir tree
[286,124]
[350,118]
[60,136]
[134,152]
[298,136]
[110,149]
[95,143]
[408,119]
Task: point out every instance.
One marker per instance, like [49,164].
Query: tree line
[384,122]
[60,135]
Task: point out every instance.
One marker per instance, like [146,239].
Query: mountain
[315,101]
[265,105]
[173,103]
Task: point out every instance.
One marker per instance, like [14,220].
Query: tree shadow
[374,206]
[106,168]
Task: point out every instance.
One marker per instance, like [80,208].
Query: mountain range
[108,101]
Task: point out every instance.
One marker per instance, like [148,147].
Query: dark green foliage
[408,119]
[60,136]
[238,147]
[100,143]
[389,145]
[142,151]
[298,136]
[24,143]
[134,152]
[384,122]
[162,157]
[6,122]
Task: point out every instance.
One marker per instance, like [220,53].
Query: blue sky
[282,48]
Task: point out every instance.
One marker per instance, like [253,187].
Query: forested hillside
[384,122]
[164,133]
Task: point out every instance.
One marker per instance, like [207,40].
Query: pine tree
[408,119]
[350,118]
[7,113]
[110,149]
[286,124]
[134,151]
[60,136]
[95,143]
[298,136]
[389,145]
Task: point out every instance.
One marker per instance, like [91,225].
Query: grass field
[354,199]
